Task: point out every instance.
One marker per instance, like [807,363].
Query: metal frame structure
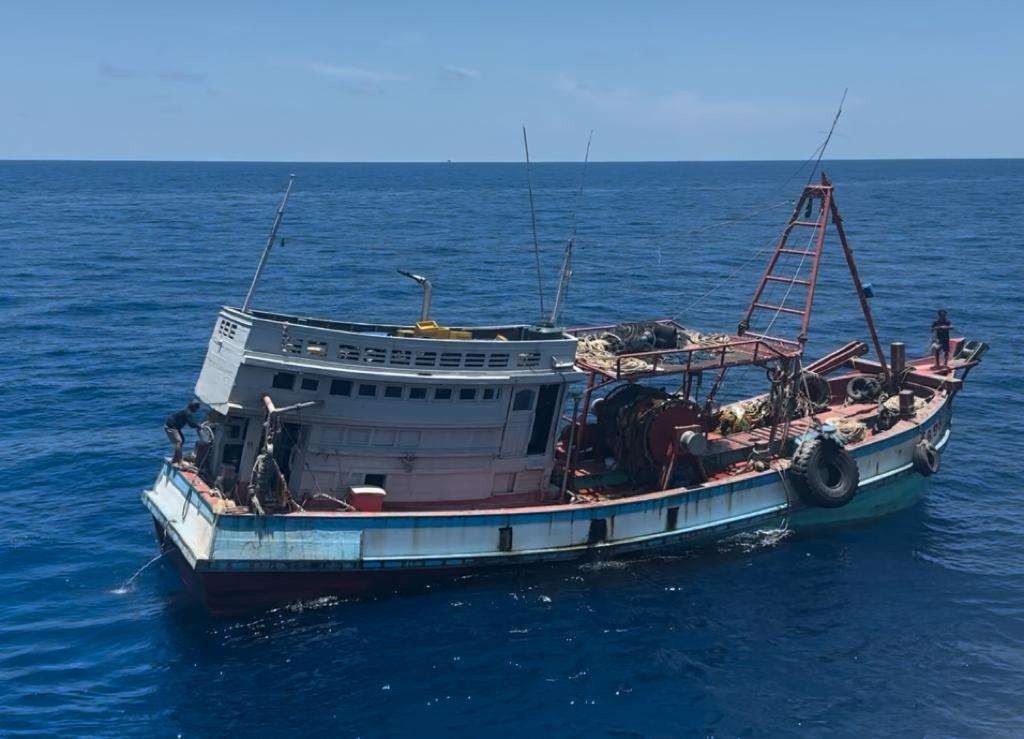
[746,347]
[828,210]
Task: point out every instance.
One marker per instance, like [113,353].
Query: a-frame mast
[822,192]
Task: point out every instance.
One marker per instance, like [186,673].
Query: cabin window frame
[277,383]
[525,392]
[336,386]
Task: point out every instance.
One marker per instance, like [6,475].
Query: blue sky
[446,80]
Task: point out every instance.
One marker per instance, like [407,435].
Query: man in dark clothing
[176,422]
[940,339]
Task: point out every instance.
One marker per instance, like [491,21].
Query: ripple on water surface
[910,625]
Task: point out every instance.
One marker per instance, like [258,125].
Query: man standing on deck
[176,422]
[940,339]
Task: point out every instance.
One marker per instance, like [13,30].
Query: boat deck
[595,481]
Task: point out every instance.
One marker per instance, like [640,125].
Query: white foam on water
[752,541]
[126,587]
[604,564]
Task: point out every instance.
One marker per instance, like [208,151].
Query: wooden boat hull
[237,563]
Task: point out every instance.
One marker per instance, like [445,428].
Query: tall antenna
[533,220]
[831,130]
[270,244]
[566,275]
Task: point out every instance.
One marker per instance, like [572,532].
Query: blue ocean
[112,274]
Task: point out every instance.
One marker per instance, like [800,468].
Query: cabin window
[393,391]
[375,479]
[523,400]
[547,402]
[417,393]
[368,391]
[310,383]
[490,393]
[341,387]
[283,381]
[467,393]
[442,393]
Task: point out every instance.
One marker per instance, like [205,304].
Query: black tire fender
[824,474]
[863,388]
[817,388]
[926,458]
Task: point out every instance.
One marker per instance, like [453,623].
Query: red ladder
[827,210]
[782,261]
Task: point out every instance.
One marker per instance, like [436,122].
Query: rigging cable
[533,221]
[816,156]
[579,191]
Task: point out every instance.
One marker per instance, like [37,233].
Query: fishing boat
[341,458]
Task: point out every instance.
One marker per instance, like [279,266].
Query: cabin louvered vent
[401,357]
[290,344]
[474,361]
[426,359]
[316,348]
[227,329]
[374,355]
[451,359]
[348,353]
[497,360]
[528,359]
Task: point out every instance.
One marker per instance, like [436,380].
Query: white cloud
[356,79]
[109,71]
[452,72]
[678,109]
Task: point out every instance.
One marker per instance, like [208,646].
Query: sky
[436,81]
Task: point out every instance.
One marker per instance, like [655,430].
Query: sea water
[112,276]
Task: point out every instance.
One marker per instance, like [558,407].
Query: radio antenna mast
[828,137]
[533,221]
[270,244]
[566,274]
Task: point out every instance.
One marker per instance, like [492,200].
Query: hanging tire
[926,458]
[825,474]
[818,391]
